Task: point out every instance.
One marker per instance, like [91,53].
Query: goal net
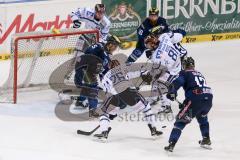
[36,57]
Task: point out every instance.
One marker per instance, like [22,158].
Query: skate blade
[80,108]
[208,147]
[76,110]
[156,137]
[169,153]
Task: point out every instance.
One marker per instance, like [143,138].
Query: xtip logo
[190,39]
[216,37]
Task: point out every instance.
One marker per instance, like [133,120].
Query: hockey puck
[164,126]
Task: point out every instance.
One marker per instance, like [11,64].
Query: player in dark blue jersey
[144,30]
[94,62]
[197,103]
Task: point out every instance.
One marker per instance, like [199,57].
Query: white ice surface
[30,130]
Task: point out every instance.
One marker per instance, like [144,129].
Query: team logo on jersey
[125,21]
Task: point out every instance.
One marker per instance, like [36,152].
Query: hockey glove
[147,78]
[76,24]
[172,96]
[149,53]
[180,105]
[111,116]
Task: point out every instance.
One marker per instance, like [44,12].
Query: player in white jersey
[93,18]
[165,54]
[121,94]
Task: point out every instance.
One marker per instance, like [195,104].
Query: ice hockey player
[95,61]
[116,81]
[93,18]
[143,31]
[164,54]
[197,103]
[175,36]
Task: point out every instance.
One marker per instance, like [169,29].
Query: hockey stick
[138,87]
[85,133]
[141,72]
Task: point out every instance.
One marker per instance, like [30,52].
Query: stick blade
[81,132]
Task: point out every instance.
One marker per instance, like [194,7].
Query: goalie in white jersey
[93,18]
[164,54]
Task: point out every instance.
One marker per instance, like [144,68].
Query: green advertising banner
[203,20]
[202,16]
[126,17]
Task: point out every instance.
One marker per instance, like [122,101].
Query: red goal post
[34,55]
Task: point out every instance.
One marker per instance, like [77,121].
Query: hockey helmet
[113,42]
[100,8]
[189,63]
[153,11]
[151,41]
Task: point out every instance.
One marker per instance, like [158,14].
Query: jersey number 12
[200,81]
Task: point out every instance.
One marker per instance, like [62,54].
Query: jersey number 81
[172,54]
